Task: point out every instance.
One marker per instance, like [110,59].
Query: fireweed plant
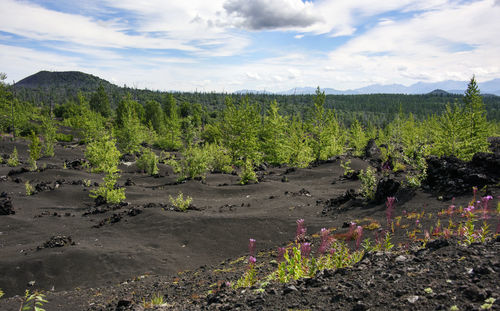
[301,260]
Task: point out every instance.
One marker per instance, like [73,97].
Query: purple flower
[301,230]
[251,247]
[359,234]
[390,208]
[324,241]
[305,249]
[352,228]
[251,260]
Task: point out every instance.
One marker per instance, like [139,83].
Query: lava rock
[386,187]
[372,151]
[6,205]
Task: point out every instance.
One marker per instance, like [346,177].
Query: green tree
[49,135]
[99,102]
[476,139]
[357,138]
[273,136]
[171,139]
[239,130]
[327,135]
[154,115]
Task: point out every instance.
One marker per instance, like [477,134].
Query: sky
[271,45]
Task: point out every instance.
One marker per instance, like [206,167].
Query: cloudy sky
[273,45]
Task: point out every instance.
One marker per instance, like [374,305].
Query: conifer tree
[273,136]
[99,102]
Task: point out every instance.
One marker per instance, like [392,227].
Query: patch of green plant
[347,167]
[13,160]
[368,183]
[156,301]
[49,135]
[35,150]
[29,188]
[108,190]
[33,301]
[181,203]
[148,162]
[102,154]
[219,158]
[64,137]
[247,173]
[488,303]
[1,293]
[194,163]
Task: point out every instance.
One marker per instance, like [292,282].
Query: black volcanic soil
[111,257]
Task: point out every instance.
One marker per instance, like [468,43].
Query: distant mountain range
[449,86]
[88,82]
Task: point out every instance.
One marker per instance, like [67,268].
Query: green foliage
[247,173]
[1,293]
[29,188]
[148,162]
[358,138]
[347,167]
[102,154]
[109,191]
[248,279]
[33,301]
[181,203]
[171,139]
[239,130]
[219,158]
[273,137]
[194,163]
[154,116]
[327,135]
[368,183]
[13,160]
[80,116]
[35,150]
[462,130]
[99,102]
[156,300]
[131,133]
[64,137]
[49,135]
[299,144]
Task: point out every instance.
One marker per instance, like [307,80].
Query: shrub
[148,162]
[13,160]
[33,301]
[35,150]
[219,158]
[29,188]
[347,167]
[102,154]
[64,137]
[247,173]
[108,190]
[49,136]
[368,183]
[181,203]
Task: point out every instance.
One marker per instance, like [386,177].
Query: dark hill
[63,79]
[439,92]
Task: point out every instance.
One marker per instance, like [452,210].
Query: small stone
[412,299]
[401,258]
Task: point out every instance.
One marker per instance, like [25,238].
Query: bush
[109,191]
[181,203]
[148,162]
[102,154]
[368,183]
[247,173]
[195,163]
[219,158]
[49,136]
[35,150]
[13,160]
[64,137]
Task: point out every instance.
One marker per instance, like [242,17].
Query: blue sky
[273,45]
